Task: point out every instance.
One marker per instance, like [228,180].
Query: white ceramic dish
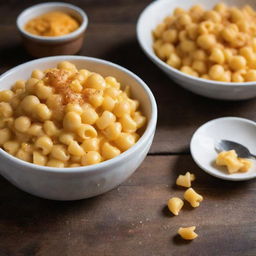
[40,46]
[80,182]
[229,128]
[153,15]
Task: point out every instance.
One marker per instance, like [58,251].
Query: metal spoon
[225,145]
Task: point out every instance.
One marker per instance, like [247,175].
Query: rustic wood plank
[133,219]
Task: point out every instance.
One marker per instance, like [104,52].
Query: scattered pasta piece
[192,197]
[247,164]
[188,233]
[175,204]
[185,180]
[233,162]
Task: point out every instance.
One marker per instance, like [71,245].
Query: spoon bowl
[226,145]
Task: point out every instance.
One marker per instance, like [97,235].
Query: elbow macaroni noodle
[192,197]
[233,163]
[185,180]
[175,204]
[187,233]
[217,44]
[64,117]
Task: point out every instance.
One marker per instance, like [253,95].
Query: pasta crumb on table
[187,233]
[217,44]
[175,204]
[192,197]
[185,180]
[65,117]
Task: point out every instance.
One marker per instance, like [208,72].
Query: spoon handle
[254,156]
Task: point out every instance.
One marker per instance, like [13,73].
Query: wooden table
[132,219]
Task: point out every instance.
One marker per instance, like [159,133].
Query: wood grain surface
[132,220]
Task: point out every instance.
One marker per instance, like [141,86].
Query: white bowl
[80,182]
[153,15]
[202,145]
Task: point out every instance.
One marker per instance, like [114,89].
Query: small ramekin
[41,46]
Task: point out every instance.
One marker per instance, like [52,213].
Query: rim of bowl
[54,39]
[149,131]
[162,63]
[219,176]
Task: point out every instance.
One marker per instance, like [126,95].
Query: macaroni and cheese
[65,117]
[217,44]
[233,163]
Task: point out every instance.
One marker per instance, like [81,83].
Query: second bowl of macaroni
[73,127]
[207,47]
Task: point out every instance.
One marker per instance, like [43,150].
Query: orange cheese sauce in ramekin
[52,24]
